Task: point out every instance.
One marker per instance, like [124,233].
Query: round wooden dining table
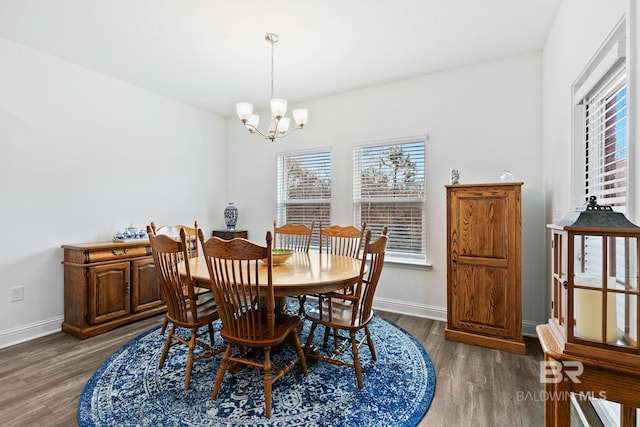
[303,274]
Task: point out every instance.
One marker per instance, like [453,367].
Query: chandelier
[279,124]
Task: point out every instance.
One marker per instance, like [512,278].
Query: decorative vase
[231,217]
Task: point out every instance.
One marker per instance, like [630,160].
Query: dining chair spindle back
[184,308]
[342,240]
[250,322]
[296,237]
[174,231]
[350,312]
[191,234]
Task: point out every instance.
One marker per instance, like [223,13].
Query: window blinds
[304,189]
[606,160]
[389,190]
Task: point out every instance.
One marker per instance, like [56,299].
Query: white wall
[481,119]
[82,155]
[581,27]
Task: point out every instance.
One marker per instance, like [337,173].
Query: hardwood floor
[477,386]
[41,380]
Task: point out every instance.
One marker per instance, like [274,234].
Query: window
[600,117]
[389,190]
[304,189]
[605,140]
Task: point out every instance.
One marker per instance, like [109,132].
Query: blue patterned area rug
[129,389]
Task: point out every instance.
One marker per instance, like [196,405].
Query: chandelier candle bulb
[278,107]
[283,124]
[300,116]
[244,110]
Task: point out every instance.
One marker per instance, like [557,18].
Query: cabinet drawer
[116,253]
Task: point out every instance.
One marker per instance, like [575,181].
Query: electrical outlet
[17,293]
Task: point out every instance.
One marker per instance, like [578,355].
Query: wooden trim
[511,346]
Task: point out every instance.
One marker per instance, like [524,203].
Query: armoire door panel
[483,227]
[481,295]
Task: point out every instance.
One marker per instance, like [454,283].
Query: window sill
[412,264]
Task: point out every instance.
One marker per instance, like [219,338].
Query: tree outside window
[389,190]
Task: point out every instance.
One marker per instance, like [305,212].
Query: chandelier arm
[289,131]
[253,129]
[268,136]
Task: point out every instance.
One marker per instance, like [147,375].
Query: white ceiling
[212,53]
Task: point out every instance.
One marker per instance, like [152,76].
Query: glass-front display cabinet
[594,284]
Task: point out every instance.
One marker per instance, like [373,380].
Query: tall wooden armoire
[484,265]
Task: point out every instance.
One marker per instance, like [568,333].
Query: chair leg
[294,343]
[267,381]
[224,365]
[190,355]
[307,346]
[356,360]
[372,349]
[325,340]
[211,338]
[165,323]
[301,301]
[167,346]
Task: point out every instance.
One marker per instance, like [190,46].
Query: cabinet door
[482,250]
[145,291]
[108,292]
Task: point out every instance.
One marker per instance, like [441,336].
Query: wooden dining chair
[296,237]
[342,240]
[191,234]
[184,308]
[350,313]
[174,231]
[247,309]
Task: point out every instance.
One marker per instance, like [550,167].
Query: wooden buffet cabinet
[484,267]
[108,284]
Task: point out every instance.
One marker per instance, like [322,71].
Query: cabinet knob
[124,252]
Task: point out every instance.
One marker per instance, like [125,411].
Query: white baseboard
[411,309]
[529,328]
[433,312]
[24,333]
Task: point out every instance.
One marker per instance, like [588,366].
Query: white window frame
[613,52]
[418,258]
